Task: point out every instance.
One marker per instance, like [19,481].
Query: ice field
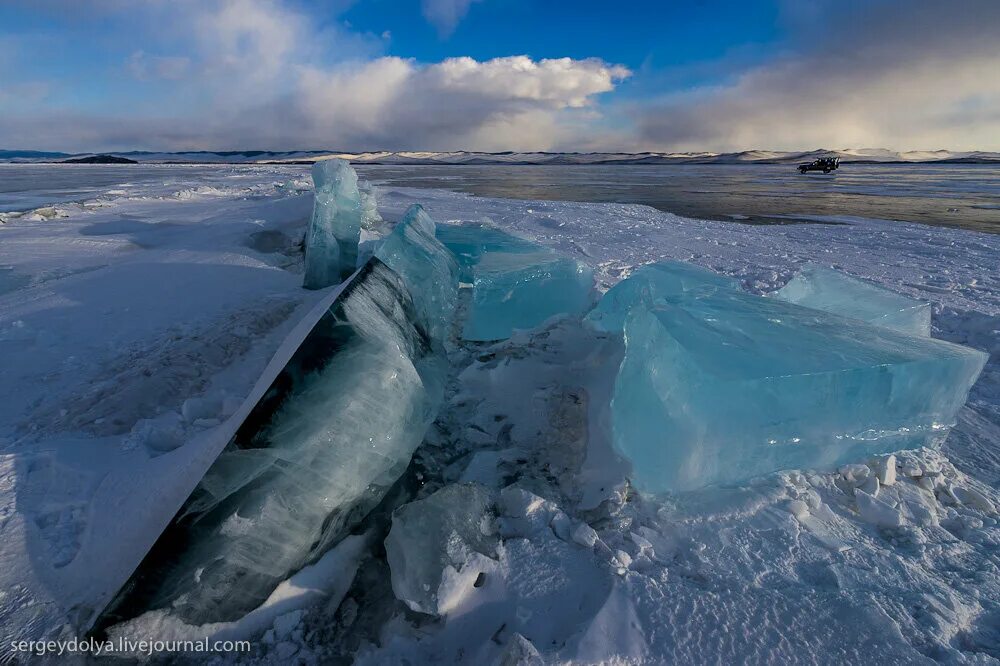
[151,330]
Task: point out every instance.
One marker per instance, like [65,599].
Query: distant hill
[864,155]
[100,159]
[846,155]
[11,155]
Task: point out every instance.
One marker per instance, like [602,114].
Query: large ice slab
[337,427]
[826,289]
[427,267]
[436,544]
[650,283]
[335,228]
[521,290]
[720,386]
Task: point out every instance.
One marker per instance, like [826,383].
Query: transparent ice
[649,283]
[520,290]
[430,535]
[345,433]
[428,269]
[719,386]
[335,228]
[469,242]
[826,289]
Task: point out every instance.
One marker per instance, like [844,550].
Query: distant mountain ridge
[847,155]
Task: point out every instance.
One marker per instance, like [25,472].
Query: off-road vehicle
[824,164]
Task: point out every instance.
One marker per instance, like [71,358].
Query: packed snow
[136,335]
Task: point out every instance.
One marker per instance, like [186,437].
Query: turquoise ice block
[522,290]
[334,231]
[428,269]
[719,386]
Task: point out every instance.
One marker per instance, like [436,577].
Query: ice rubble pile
[337,428]
[718,385]
[826,289]
[516,284]
[341,422]
[343,433]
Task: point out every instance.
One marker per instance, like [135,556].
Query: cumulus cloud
[917,74]
[504,103]
[260,74]
[445,15]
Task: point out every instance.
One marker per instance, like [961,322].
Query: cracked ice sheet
[126,309]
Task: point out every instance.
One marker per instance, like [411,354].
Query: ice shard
[649,283]
[826,289]
[335,228]
[428,269]
[720,386]
[337,427]
[516,284]
[469,242]
[521,290]
[434,541]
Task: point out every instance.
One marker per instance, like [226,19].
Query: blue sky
[499,74]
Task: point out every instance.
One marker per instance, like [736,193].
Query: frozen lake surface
[140,304]
[955,195]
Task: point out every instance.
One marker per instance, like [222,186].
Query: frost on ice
[336,429]
[826,289]
[335,228]
[718,385]
[440,546]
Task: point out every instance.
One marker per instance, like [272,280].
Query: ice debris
[832,291]
[439,547]
[520,652]
[335,229]
[718,386]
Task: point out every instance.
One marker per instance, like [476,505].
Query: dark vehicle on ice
[824,164]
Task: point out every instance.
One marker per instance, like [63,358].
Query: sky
[664,75]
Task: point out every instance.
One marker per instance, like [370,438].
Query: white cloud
[921,74]
[222,74]
[445,15]
[502,103]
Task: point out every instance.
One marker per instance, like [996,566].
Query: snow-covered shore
[133,324]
